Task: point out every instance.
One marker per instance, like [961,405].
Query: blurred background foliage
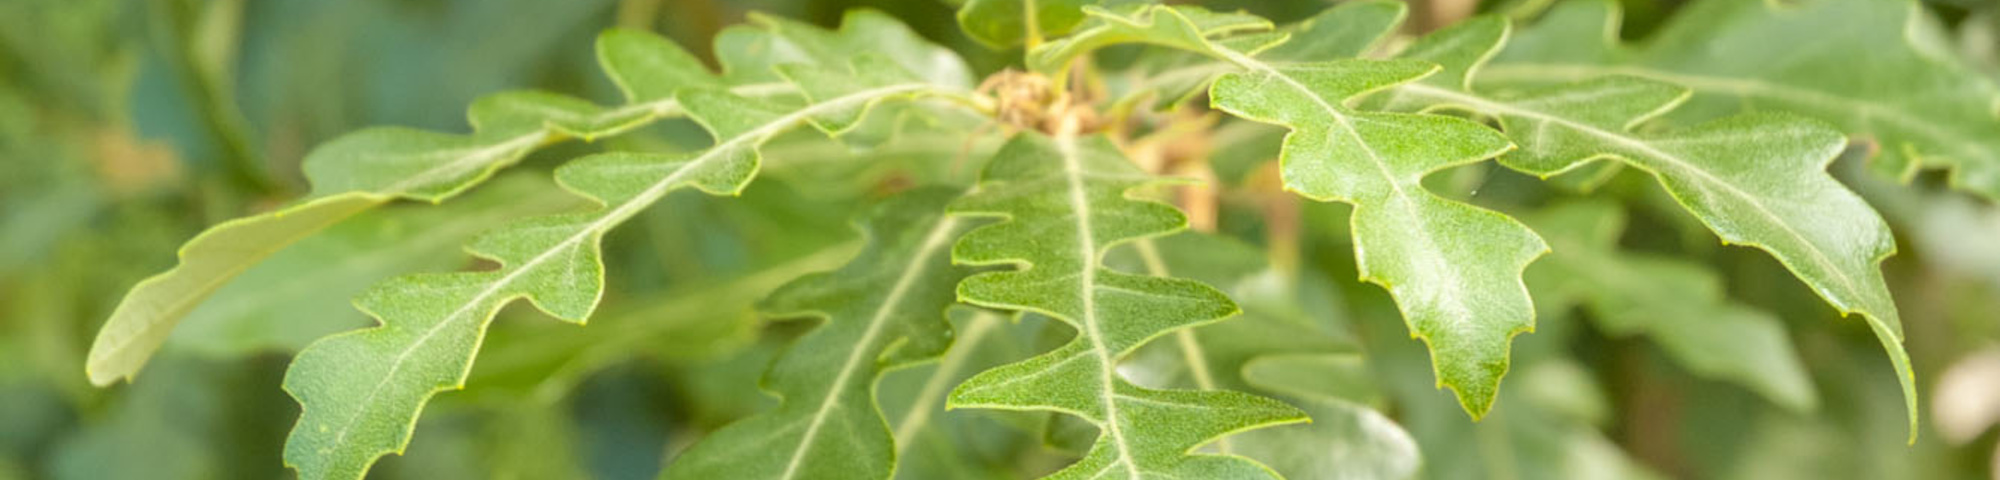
[128,125]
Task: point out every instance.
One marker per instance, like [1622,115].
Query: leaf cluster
[1023,295]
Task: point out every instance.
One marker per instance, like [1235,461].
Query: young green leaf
[750,53]
[649,68]
[1675,303]
[1065,203]
[1349,29]
[1923,108]
[361,391]
[1008,23]
[1190,29]
[1756,179]
[365,169]
[885,309]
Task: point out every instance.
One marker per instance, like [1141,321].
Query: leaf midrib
[471,160]
[667,106]
[1079,201]
[624,210]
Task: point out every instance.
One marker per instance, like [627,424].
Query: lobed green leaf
[1454,269]
[365,169]
[752,52]
[361,391]
[1065,203]
[1755,179]
[1136,24]
[1009,23]
[1349,29]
